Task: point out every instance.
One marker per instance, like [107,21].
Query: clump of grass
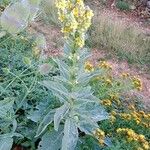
[122,5]
[115,36]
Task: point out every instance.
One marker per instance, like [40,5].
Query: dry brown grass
[121,38]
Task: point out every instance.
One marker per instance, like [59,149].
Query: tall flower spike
[75,18]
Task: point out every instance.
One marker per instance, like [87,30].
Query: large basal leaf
[70,137]
[15,18]
[51,140]
[60,113]
[6,105]
[47,120]
[6,143]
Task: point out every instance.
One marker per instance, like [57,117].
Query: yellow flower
[113,113]
[142,113]
[146,145]
[89,13]
[137,83]
[75,18]
[80,42]
[112,119]
[106,102]
[76,12]
[120,130]
[61,17]
[132,107]
[125,75]
[138,120]
[88,67]
[125,116]
[100,135]
[101,141]
[105,65]
[140,148]
[61,4]
[141,138]
[108,82]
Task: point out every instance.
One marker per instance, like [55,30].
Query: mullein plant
[79,111]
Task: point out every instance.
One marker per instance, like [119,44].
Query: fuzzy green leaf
[47,120]
[6,143]
[70,137]
[63,68]
[15,18]
[6,105]
[58,89]
[60,113]
[51,140]
[87,125]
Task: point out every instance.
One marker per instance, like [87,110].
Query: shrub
[122,5]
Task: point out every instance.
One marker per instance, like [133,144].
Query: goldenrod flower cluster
[105,65]
[106,102]
[75,18]
[88,67]
[100,135]
[115,98]
[132,136]
[125,116]
[137,83]
[125,75]
[141,117]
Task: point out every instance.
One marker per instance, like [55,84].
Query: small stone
[132,7]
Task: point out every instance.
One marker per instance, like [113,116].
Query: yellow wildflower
[112,119]
[100,135]
[137,83]
[125,116]
[141,138]
[61,4]
[105,65]
[106,102]
[146,145]
[88,67]
[113,113]
[125,75]
[108,82]
[140,148]
[76,12]
[80,42]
